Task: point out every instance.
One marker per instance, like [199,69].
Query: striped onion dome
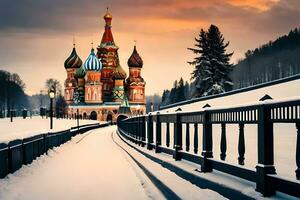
[92,63]
[135,59]
[119,72]
[73,61]
[80,73]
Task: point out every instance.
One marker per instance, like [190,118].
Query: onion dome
[73,61]
[92,63]
[135,60]
[107,15]
[80,73]
[119,72]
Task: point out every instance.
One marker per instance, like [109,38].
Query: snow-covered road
[97,165]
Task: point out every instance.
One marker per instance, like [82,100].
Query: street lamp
[77,118]
[51,95]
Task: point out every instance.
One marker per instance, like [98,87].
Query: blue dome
[92,63]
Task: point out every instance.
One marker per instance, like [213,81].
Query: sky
[36,36]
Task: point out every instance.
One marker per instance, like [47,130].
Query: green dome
[80,73]
[73,61]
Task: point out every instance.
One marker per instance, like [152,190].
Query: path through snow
[94,167]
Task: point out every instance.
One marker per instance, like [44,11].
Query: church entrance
[93,115]
[109,117]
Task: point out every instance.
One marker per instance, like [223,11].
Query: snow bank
[21,128]
[90,166]
[277,92]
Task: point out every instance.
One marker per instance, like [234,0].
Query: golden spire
[107,14]
[74,43]
[92,43]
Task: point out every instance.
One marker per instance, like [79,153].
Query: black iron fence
[141,129]
[18,152]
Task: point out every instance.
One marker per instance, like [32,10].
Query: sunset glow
[35,43]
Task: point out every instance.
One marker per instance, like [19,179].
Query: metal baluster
[241,144]
[150,131]
[298,151]
[187,137]
[195,138]
[168,134]
[223,142]
[158,133]
[177,134]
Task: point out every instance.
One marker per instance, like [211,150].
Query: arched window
[99,93]
[67,95]
[89,93]
[95,94]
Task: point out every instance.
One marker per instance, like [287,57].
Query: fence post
[149,131]
[136,130]
[298,151]
[158,133]
[265,152]
[241,144]
[139,125]
[177,137]
[195,138]
[207,141]
[143,131]
[223,147]
[187,137]
[4,156]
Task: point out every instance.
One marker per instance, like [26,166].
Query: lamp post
[77,118]
[51,95]
[11,115]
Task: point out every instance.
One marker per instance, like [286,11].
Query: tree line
[213,73]
[12,95]
[274,60]
[179,92]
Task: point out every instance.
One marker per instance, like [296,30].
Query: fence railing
[265,114]
[18,152]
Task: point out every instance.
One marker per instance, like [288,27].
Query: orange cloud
[262,5]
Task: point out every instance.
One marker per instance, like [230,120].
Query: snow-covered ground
[94,166]
[21,128]
[277,92]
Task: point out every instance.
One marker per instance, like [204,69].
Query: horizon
[36,45]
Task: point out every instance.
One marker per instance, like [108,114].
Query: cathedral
[99,87]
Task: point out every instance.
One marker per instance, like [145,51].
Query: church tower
[135,83]
[72,63]
[107,51]
[79,75]
[93,85]
[119,76]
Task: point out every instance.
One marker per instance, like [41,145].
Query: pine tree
[186,90]
[165,97]
[173,96]
[200,62]
[212,67]
[180,91]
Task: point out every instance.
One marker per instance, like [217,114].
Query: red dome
[135,60]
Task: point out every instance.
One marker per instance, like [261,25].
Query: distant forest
[271,61]
[12,94]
